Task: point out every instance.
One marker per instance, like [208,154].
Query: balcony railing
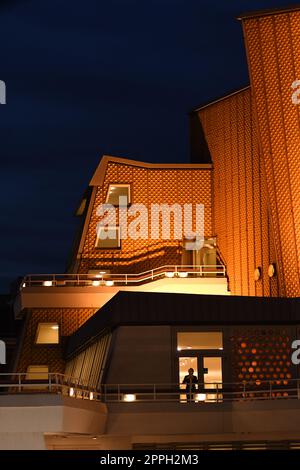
[109,280]
[19,383]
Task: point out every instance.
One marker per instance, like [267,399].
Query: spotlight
[129,397]
[200,396]
[169,274]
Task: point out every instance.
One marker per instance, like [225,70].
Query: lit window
[200,340]
[37,373]
[115,191]
[108,237]
[47,333]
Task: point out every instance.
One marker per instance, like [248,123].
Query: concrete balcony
[94,291]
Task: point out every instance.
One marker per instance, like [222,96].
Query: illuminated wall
[241,212]
[273,48]
[69,320]
[150,184]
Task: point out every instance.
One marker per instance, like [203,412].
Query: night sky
[87,78]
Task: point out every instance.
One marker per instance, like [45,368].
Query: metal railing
[22,383]
[108,279]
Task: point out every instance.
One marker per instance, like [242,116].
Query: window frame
[128,185]
[117,228]
[27,376]
[37,333]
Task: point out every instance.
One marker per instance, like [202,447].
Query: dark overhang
[143,308]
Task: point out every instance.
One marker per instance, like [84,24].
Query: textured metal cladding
[69,320]
[240,197]
[159,186]
[273,47]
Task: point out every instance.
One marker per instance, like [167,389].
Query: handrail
[214,392]
[110,279]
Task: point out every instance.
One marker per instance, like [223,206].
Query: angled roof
[217,100]
[98,177]
[272,11]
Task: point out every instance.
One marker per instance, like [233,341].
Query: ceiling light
[129,397]
[182,274]
[169,274]
[200,397]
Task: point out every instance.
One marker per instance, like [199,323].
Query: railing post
[154,392]
[270,384]
[126,281]
[49,382]
[77,279]
[19,381]
[152,274]
[119,393]
[217,387]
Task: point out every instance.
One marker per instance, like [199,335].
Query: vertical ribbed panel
[273,46]
[240,196]
[88,366]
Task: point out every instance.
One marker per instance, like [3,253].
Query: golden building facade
[273,51]
[149,184]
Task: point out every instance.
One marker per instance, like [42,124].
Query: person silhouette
[190,381]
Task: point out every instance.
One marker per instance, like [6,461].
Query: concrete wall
[272,417]
[25,418]
[141,354]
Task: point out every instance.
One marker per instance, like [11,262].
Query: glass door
[212,373]
[186,363]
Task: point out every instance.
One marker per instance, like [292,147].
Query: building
[104,347]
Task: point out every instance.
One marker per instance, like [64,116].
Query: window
[47,333]
[108,237]
[115,191]
[37,373]
[200,340]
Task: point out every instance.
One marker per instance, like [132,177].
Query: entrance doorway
[203,352]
